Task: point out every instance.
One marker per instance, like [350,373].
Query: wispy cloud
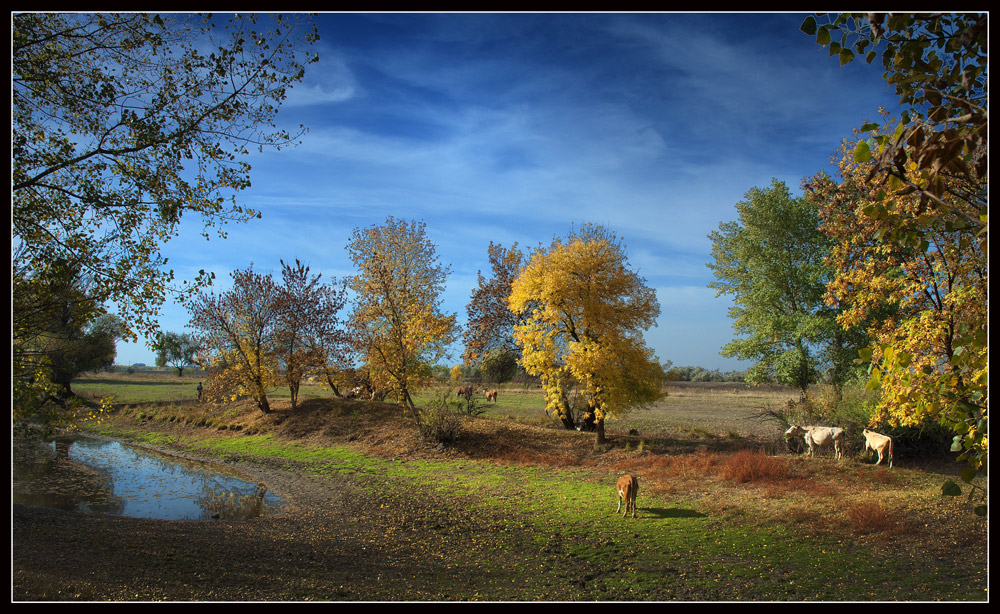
[511,128]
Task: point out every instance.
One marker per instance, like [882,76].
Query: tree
[929,359]
[309,339]
[938,65]
[584,327]
[122,124]
[237,331]
[58,332]
[490,323]
[175,349]
[938,151]
[771,262]
[397,321]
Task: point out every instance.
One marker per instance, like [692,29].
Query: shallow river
[107,477]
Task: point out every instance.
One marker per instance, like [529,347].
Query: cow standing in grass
[491,395]
[465,392]
[628,488]
[820,436]
[880,444]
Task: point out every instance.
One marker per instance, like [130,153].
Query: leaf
[823,36]
[862,153]
[809,26]
[950,489]
[969,474]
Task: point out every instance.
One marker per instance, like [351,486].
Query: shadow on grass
[673,512]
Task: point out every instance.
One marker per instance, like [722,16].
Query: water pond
[107,477]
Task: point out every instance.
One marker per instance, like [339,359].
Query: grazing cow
[491,395]
[819,436]
[628,488]
[465,392]
[880,444]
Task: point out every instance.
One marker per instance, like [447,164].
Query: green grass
[675,550]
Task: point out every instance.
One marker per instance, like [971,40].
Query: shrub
[747,466]
[438,420]
[871,515]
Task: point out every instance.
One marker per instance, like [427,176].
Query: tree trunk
[263,405]
[599,424]
[566,414]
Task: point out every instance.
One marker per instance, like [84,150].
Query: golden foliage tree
[585,312]
[931,349]
[397,323]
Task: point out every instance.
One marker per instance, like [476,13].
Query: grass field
[724,512]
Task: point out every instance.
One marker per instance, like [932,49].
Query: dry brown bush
[871,515]
[748,466]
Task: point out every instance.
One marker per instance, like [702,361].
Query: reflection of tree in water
[45,476]
[162,486]
[225,503]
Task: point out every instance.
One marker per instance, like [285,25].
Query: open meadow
[514,509]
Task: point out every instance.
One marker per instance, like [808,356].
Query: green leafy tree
[59,331]
[397,322]
[771,261]
[175,349]
[122,123]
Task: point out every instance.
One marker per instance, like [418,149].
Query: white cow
[880,444]
[819,436]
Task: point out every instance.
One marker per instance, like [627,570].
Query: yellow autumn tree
[584,315]
[919,282]
[397,322]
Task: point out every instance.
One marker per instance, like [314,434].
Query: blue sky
[516,127]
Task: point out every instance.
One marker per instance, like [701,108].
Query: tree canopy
[771,261]
[397,322]
[123,123]
[585,312]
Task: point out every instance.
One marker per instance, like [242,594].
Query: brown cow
[881,444]
[628,488]
[465,392]
[491,395]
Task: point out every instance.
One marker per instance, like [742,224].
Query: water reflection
[107,477]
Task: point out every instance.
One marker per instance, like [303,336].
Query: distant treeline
[701,374]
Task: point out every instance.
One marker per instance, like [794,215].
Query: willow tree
[585,312]
[397,322]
